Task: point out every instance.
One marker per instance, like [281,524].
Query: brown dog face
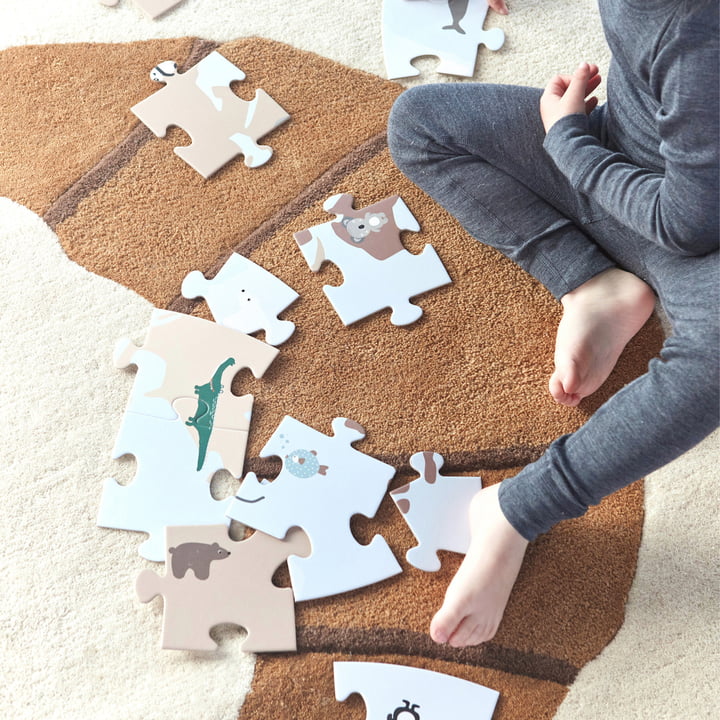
[468,380]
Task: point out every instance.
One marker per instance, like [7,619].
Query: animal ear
[314,452]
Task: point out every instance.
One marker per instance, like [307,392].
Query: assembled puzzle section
[182,424]
[246,297]
[212,580]
[448,29]
[378,272]
[322,484]
[152,8]
[221,125]
[436,509]
[399,692]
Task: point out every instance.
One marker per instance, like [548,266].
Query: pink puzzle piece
[212,580]
[436,509]
[152,8]
[221,125]
[378,272]
[323,483]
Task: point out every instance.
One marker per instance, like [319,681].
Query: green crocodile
[204,417]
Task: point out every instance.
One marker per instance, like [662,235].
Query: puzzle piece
[213,580]
[220,124]
[323,483]
[245,297]
[378,271]
[398,692]
[152,8]
[436,509]
[167,488]
[186,357]
[448,29]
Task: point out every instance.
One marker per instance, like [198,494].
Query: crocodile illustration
[204,417]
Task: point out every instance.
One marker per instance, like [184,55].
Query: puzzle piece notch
[246,297]
[435,507]
[378,272]
[399,692]
[152,8]
[323,482]
[451,30]
[213,580]
[220,124]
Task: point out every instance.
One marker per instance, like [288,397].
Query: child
[607,207]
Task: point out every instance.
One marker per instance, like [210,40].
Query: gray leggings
[478,151]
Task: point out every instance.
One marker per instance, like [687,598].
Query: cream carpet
[74,645]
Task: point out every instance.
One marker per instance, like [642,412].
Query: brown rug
[468,380]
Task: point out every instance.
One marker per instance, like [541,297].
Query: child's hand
[498,6]
[569,94]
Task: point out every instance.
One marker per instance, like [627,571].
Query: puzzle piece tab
[323,483]
[378,271]
[213,580]
[186,357]
[221,125]
[245,297]
[398,692]
[436,509]
[448,29]
[152,8]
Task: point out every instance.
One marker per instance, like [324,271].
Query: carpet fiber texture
[100,222]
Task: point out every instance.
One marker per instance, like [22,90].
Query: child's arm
[676,207]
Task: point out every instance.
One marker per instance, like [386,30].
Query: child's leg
[649,423]
[478,151]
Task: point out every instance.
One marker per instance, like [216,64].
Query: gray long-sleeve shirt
[656,168]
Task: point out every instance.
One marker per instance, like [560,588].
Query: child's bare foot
[599,319]
[476,598]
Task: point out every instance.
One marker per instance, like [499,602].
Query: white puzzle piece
[378,272]
[448,29]
[436,509]
[167,488]
[245,297]
[323,483]
[152,8]
[398,692]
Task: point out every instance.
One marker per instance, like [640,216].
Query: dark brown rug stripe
[315,193]
[66,205]
[397,641]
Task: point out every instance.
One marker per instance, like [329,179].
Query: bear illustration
[196,557]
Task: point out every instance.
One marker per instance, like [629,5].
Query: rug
[100,224]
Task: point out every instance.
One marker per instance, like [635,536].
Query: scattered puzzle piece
[184,357]
[323,483]
[436,509]
[213,580]
[152,8]
[378,271]
[167,489]
[220,124]
[448,29]
[245,297]
[397,692]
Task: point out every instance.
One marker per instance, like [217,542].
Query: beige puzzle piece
[185,369]
[220,124]
[212,580]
